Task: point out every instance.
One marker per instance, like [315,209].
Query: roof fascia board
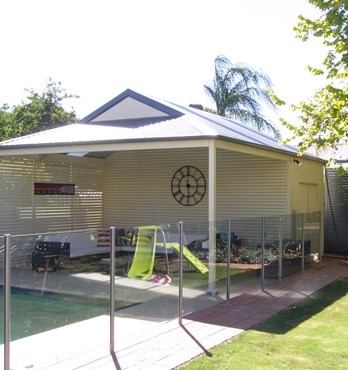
[189,142]
[254,149]
[131,94]
[146,145]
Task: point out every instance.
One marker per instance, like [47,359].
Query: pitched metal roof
[151,120]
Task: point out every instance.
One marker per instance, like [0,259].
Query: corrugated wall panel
[137,187]
[250,187]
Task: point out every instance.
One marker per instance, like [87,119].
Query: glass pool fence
[161,272]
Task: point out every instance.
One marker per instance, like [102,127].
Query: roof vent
[197,106]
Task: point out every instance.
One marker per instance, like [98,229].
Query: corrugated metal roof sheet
[189,123]
[78,132]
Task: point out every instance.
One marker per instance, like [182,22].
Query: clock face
[188,185]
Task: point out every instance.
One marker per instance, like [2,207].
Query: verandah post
[181,268]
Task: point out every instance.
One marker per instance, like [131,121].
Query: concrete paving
[164,344]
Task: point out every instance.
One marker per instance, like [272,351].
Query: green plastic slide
[191,258]
[144,257]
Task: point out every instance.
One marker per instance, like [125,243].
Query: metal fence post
[280,251]
[112,290]
[228,269]
[302,241]
[181,268]
[7,301]
[320,239]
[263,255]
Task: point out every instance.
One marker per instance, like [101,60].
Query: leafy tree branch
[40,111]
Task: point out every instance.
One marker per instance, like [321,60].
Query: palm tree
[238,92]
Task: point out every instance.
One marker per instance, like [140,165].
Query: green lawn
[310,335]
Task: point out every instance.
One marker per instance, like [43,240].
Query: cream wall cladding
[137,186]
[23,212]
[248,188]
[307,183]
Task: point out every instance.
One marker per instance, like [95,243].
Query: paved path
[166,345]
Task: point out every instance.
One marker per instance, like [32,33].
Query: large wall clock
[188,185]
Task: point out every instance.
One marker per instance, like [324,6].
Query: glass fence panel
[312,233]
[146,270]
[297,244]
[245,262]
[272,249]
[2,257]
[290,253]
[56,280]
[202,273]
[246,236]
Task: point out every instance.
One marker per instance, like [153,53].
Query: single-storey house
[138,160]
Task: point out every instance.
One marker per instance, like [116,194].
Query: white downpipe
[212,218]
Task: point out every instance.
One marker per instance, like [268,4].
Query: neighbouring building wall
[336,212]
[22,212]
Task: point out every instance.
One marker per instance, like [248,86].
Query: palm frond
[256,122]
[240,88]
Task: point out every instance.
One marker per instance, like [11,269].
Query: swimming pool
[33,312]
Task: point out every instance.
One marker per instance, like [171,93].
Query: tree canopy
[239,91]
[325,116]
[40,111]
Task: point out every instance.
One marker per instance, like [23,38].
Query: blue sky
[162,48]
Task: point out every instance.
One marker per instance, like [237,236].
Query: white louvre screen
[24,212]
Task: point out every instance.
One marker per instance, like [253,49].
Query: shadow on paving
[264,312]
[293,316]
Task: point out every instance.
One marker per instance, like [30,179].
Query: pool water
[33,312]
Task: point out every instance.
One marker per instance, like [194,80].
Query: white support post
[212,219]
